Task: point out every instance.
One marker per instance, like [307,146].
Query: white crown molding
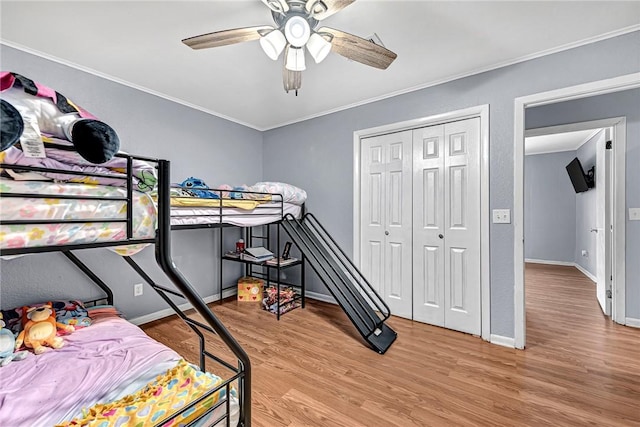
[123,82]
[583,42]
[540,54]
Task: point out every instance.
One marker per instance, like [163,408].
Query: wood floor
[312,369]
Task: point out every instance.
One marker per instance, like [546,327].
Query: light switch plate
[502,216]
[634,214]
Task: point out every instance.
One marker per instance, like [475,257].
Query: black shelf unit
[266,240]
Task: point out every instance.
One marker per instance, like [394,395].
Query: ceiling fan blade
[279,6]
[226,37]
[322,9]
[359,49]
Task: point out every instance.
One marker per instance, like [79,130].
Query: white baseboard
[634,323]
[169,311]
[565,263]
[549,262]
[320,297]
[503,341]
[586,273]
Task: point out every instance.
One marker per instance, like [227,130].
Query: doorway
[618,84]
[403,141]
[568,203]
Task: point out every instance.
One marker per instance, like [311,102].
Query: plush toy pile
[8,345]
[30,109]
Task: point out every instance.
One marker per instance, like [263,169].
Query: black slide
[345,282]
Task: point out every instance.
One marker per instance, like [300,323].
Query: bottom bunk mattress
[29,209]
[101,374]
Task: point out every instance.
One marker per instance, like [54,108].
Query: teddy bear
[7,345]
[40,329]
[27,104]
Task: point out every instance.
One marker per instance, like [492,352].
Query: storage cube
[250,289]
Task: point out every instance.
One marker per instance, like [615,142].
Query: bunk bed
[256,210]
[112,364]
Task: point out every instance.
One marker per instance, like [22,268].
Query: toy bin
[250,289]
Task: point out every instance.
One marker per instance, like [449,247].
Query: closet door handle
[386,233]
[441,236]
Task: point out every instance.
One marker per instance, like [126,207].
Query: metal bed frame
[262,210]
[241,374]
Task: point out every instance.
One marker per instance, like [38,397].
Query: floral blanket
[168,394]
[45,234]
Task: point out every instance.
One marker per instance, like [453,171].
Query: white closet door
[386,218]
[462,226]
[428,225]
[446,223]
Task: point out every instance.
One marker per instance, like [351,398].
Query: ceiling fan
[296,28]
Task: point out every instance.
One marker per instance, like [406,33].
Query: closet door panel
[398,236]
[372,211]
[428,225]
[462,226]
[386,218]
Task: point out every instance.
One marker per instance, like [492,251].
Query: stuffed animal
[40,329]
[198,188]
[7,346]
[54,114]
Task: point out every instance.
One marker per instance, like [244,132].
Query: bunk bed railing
[128,200]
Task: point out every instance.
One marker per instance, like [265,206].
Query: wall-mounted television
[581,181]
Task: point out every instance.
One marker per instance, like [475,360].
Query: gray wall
[317,154]
[549,208]
[197,144]
[626,103]
[586,210]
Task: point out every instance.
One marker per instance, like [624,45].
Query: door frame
[480,111]
[600,87]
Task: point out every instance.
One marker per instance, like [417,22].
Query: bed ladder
[361,303]
[165,261]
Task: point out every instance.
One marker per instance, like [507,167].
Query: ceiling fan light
[297,31]
[295,59]
[318,47]
[273,44]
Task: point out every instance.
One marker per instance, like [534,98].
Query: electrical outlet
[137,289]
[634,214]
[502,216]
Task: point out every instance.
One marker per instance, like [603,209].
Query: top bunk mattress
[234,213]
[101,212]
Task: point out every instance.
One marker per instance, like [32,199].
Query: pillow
[290,193]
[71,313]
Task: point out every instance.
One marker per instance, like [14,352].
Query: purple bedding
[107,359]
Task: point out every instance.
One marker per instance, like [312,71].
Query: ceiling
[566,141]
[139,43]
